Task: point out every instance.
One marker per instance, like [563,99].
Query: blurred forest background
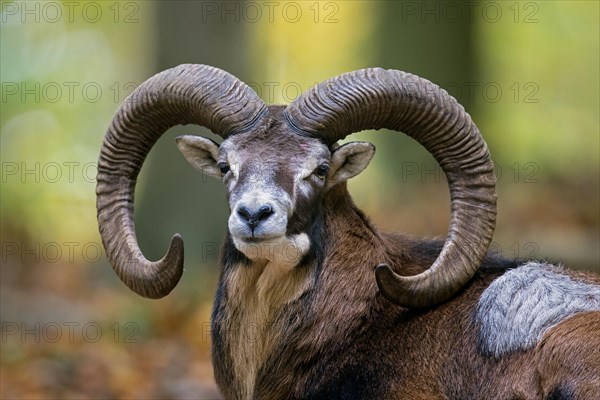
[527,71]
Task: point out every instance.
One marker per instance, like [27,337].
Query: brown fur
[342,339]
[318,328]
[568,357]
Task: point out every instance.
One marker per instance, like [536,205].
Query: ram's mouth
[264,233]
[257,239]
[283,249]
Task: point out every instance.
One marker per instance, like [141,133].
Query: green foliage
[546,65]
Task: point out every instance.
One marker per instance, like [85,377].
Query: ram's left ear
[202,153]
[349,160]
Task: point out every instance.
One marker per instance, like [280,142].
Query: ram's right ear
[201,152]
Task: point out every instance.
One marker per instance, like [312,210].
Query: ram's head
[278,163]
[275,181]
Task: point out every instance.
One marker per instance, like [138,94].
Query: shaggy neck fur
[260,286]
[261,291]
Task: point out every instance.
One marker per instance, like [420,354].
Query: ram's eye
[322,170]
[223,167]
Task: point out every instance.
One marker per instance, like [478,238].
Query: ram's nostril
[263,213]
[244,213]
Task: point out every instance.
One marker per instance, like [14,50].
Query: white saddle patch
[517,309]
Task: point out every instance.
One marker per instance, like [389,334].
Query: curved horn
[377,98]
[186,94]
